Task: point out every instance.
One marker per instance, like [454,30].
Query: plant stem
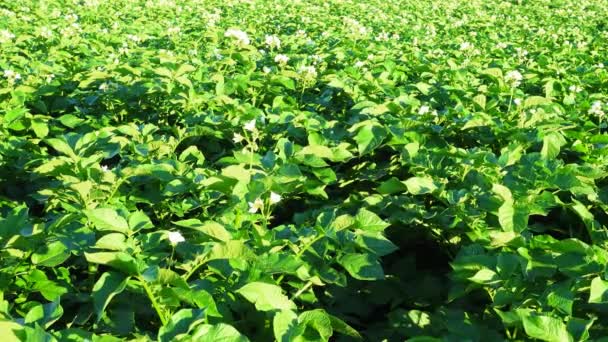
[302,290]
[155,304]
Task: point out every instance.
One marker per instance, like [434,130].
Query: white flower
[174,30]
[103,86]
[308,71]
[596,109]
[250,126]
[273,42]
[501,45]
[514,78]
[575,89]
[46,32]
[266,70]
[255,206]
[240,36]
[382,37]
[6,36]
[274,198]
[49,78]
[465,46]
[281,59]
[104,168]
[517,102]
[175,238]
[423,110]
[237,138]
[359,64]
[11,76]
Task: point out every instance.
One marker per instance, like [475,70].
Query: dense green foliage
[183,170]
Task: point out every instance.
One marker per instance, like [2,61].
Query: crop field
[306,170]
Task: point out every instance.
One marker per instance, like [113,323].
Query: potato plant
[341,170]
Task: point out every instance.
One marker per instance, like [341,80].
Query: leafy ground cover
[303,170]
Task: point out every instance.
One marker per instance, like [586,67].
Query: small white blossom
[423,110]
[237,138]
[308,72]
[6,36]
[514,78]
[12,76]
[240,36]
[174,30]
[175,238]
[501,45]
[256,205]
[382,37]
[517,102]
[274,198]
[466,46]
[46,32]
[266,70]
[596,109]
[575,89]
[359,64]
[273,42]
[104,168]
[250,126]
[281,59]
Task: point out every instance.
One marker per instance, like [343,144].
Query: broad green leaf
[420,185]
[369,221]
[181,322]
[598,292]
[220,332]
[266,297]
[318,323]
[545,328]
[551,145]
[362,266]
[112,241]
[369,137]
[118,260]
[209,228]
[107,219]
[391,186]
[107,286]
[51,255]
[44,314]
[285,326]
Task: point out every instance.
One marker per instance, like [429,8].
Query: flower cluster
[258,203]
[241,37]
[513,78]
[281,59]
[11,76]
[596,109]
[273,42]
[6,36]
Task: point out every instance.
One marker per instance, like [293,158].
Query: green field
[277,170]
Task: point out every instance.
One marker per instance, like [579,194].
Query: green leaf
[266,297]
[107,286]
[107,219]
[61,146]
[209,228]
[285,326]
[391,186]
[317,325]
[45,315]
[14,115]
[180,323]
[545,328]
[598,292]
[220,332]
[369,221]
[139,220]
[362,266]
[551,145]
[41,129]
[112,241]
[420,185]
[369,137]
[118,260]
[51,255]
[534,101]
